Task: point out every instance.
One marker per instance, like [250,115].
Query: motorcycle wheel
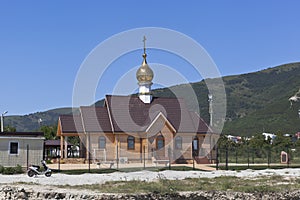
[30,173]
[48,174]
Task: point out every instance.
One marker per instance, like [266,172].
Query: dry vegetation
[224,183]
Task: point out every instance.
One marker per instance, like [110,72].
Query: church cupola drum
[144,75]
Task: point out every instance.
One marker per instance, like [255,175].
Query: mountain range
[256,102]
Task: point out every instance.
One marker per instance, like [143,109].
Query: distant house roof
[54,143]
[22,134]
[130,114]
[71,123]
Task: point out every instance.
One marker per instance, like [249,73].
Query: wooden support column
[147,148]
[116,147]
[61,146]
[81,146]
[66,147]
[87,156]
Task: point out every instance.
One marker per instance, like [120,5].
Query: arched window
[196,143]
[160,142]
[130,142]
[178,142]
[102,142]
[195,146]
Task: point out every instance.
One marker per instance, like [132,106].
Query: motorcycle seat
[36,166]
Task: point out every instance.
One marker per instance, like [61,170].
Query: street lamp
[210,109]
[2,125]
[40,121]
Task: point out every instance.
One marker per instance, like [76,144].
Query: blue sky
[43,43]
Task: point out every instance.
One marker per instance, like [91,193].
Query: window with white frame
[130,143]
[178,142]
[13,148]
[160,142]
[102,142]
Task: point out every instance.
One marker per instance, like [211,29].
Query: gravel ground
[63,179]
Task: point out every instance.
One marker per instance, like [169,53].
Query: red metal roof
[71,123]
[95,119]
[200,124]
[130,114]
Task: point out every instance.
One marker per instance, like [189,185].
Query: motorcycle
[36,170]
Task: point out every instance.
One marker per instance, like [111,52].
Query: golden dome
[144,74]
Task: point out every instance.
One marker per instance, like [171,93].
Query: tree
[9,129]
[297,145]
[282,142]
[260,144]
[259,141]
[224,142]
[74,140]
[49,132]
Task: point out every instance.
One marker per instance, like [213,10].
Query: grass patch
[223,183]
[179,168]
[105,171]
[256,167]
[83,171]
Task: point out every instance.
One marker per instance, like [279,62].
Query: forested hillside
[256,102]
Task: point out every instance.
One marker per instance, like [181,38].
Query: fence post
[89,153]
[144,156]
[226,159]
[248,156]
[269,157]
[169,154]
[217,158]
[27,156]
[89,162]
[236,155]
[59,164]
[252,156]
[118,154]
[288,157]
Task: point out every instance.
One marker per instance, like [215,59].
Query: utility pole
[210,100]
[2,121]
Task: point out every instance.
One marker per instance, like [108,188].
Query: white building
[269,135]
[21,148]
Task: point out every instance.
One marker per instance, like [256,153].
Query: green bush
[8,170]
[11,170]
[18,169]
[48,162]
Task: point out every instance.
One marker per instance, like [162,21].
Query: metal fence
[257,156]
[97,161]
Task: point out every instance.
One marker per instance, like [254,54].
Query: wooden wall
[136,154]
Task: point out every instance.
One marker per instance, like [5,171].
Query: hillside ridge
[256,102]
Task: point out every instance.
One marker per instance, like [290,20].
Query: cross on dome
[144,75]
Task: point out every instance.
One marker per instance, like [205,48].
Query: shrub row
[11,170]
